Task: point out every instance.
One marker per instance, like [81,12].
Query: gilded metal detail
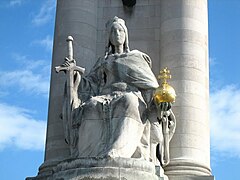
[165,92]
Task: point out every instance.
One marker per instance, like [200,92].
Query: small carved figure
[111,112]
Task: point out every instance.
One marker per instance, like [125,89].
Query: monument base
[102,169]
[191,177]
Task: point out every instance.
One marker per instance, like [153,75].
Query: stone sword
[70,77]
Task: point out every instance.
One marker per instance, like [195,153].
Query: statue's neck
[119,49]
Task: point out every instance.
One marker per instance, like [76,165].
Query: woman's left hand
[165,106]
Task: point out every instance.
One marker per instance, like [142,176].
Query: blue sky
[26,36]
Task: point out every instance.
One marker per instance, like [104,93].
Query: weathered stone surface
[109,112]
[95,168]
[84,28]
[178,39]
[101,169]
[111,124]
[184,49]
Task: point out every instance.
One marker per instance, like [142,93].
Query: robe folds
[113,116]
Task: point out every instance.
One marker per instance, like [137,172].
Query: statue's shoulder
[135,51]
[143,55]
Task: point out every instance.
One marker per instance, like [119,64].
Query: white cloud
[47,43]
[19,129]
[30,64]
[46,13]
[225,121]
[32,77]
[26,80]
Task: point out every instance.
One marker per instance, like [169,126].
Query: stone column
[184,50]
[77,18]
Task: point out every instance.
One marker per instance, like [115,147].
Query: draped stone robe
[112,119]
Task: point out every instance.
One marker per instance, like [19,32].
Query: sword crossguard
[72,67]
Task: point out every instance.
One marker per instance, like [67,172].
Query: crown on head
[114,20]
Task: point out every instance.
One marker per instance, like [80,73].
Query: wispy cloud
[216,81]
[46,42]
[26,80]
[30,64]
[225,121]
[33,77]
[13,3]
[19,129]
[212,61]
[46,13]
[3,93]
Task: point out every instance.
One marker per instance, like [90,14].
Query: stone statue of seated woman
[113,112]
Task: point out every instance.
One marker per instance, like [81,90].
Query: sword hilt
[70,47]
[71,64]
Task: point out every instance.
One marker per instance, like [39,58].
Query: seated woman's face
[117,35]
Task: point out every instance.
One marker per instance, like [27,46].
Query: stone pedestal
[191,177]
[101,169]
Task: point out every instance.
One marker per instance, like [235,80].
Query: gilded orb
[165,92]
